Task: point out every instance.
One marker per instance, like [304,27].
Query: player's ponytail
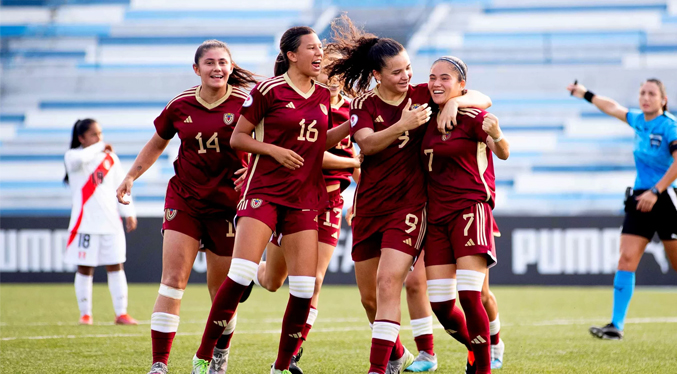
[363,54]
[664,91]
[290,42]
[239,77]
[80,127]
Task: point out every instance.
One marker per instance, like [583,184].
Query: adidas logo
[188,120]
[223,323]
[378,119]
[407,241]
[470,243]
[291,105]
[297,335]
[478,340]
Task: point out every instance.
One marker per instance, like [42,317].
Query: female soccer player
[340,163]
[461,185]
[96,234]
[652,206]
[284,190]
[201,200]
[390,202]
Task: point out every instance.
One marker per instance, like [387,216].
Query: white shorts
[97,250]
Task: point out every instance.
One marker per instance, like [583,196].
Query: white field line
[362,327]
[183,322]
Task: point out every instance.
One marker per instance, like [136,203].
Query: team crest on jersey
[248,102]
[324,109]
[446,136]
[170,214]
[228,118]
[415,106]
[353,120]
[256,203]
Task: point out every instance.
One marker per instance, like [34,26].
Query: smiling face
[308,56]
[396,74]
[214,68]
[92,136]
[651,99]
[444,82]
[335,84]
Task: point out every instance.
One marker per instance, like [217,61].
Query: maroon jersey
[459,165]
[339,114]
[288,118]
[206,164]
[391,179]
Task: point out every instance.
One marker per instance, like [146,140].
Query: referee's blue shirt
[652,147]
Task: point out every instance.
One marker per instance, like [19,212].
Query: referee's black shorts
[662,219]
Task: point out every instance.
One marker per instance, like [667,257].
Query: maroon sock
[162,345]
[495,338]
[224,341]
[380,352]
[223,308]
[398,350]
[292,330]
[304,336]
[425,343]
[478,329]
[453,320]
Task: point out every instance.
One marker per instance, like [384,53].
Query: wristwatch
[654,190]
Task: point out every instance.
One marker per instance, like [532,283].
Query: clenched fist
[490,126]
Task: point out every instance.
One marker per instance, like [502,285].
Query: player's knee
[486,297]
[174,281]
[369,304]
[388,284]
[415,286]
[272,285]
[626,261]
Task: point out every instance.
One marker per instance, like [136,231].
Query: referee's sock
[624,285]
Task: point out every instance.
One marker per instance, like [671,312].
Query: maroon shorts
[403,230]
[214,234]
[282,220]
[465,233]
[329,225]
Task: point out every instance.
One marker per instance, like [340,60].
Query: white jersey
[94,175]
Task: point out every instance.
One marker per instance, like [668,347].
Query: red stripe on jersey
[89,188]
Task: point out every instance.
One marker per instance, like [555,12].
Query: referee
[652,206]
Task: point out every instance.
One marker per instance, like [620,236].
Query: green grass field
[545,331]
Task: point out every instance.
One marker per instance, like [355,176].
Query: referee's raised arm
[603,103]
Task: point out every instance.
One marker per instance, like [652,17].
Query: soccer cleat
[398,366]
[86,320]
[293,366]
[200,366]
[247,292]
[424,362]
[497,355]
[125,319]
[274,371]
[158,368]
[470,367]
[219,362]
[608,332]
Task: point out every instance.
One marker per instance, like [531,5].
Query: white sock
[83,292]
[256,277]
[495,326]
[422,326]
[117,284]
[164,322]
